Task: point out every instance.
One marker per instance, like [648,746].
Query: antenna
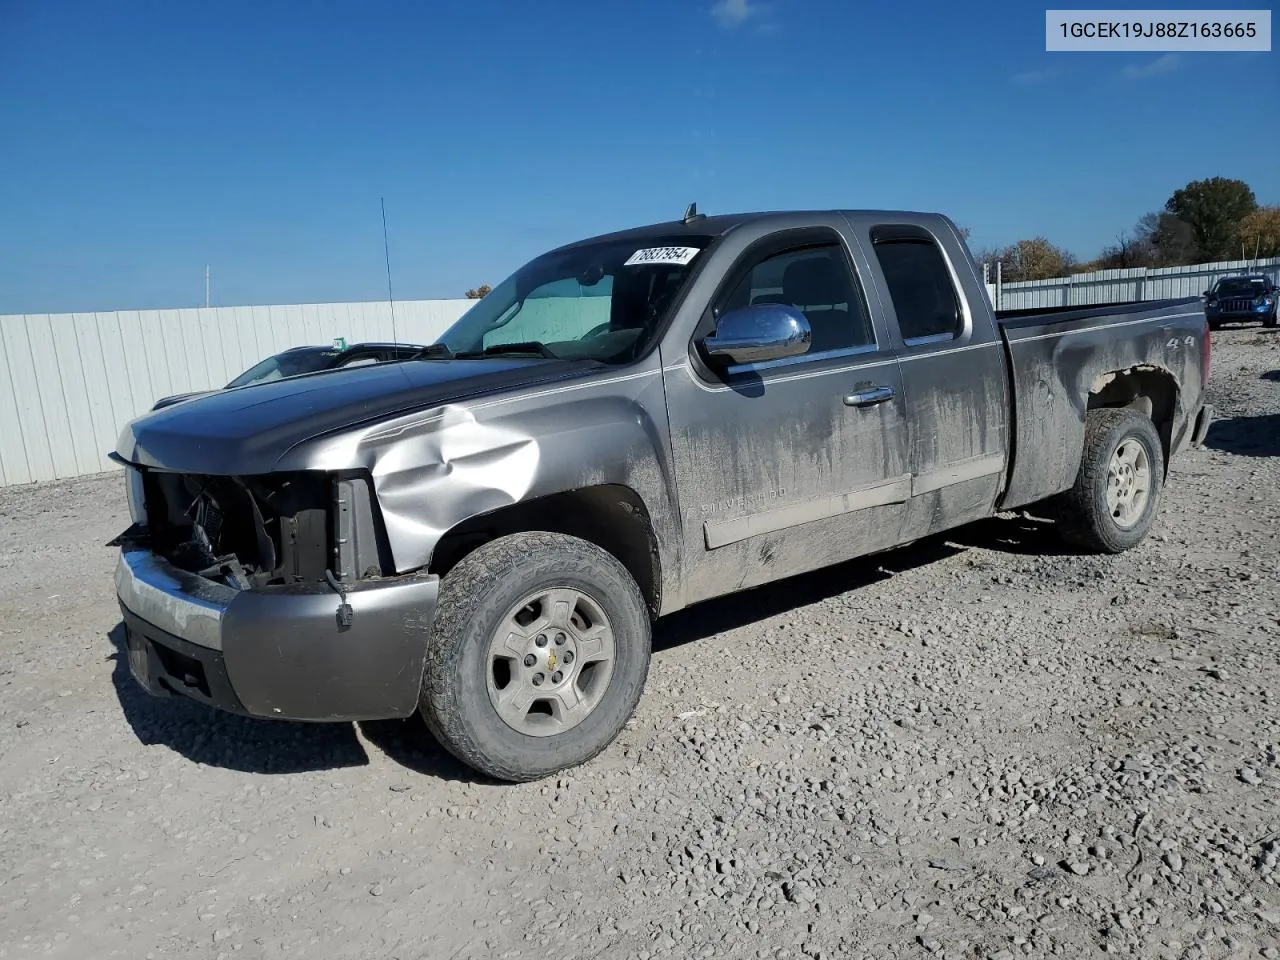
[386,250]
[206,285]
[691,213]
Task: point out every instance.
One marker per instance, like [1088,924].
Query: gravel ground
[982,746]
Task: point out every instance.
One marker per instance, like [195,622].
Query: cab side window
[817,281]
[924,298]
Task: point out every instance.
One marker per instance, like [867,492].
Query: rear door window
[924,298]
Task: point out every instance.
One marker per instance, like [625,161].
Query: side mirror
[766,331]
[1205,294]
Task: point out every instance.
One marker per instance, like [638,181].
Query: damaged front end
[260,531]
[270,595]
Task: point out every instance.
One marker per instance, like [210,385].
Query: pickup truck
[626,426]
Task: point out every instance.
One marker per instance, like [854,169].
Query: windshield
[602,301]
[1240,287]
[285,365]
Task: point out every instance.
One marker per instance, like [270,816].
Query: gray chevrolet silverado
[626,426]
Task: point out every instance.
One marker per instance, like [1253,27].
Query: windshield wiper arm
[529,346]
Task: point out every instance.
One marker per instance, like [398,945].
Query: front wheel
[1113,502]
[1271,319]
[539,653]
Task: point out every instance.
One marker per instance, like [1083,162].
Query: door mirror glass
[767,331]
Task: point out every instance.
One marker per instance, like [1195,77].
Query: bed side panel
[1053,370]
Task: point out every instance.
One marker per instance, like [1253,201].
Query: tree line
[1205,221]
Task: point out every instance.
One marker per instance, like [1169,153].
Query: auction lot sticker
[1188,31]
[677,255]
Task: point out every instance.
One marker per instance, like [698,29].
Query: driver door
[789,465]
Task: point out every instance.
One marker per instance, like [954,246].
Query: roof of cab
[720,224]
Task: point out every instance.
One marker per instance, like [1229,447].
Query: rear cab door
[953,368]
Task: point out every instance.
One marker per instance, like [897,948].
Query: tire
[1215,324]
[1271,320]
[1084,515]
[476,623]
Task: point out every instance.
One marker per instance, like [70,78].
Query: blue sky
[144,140]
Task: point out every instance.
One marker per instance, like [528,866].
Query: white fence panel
[1123,286]
[73,401]
[53,403]
[70,382]
[108,393]
[15,456]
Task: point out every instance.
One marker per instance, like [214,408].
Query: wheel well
[611,516]
[1150,390]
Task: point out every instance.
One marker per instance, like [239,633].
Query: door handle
[868,397]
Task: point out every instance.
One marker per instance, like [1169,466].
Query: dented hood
[246,430]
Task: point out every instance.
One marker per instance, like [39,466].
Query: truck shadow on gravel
[1247,436]
[712,617]
[1026,536]
[409,743]
[248,745]
[1017,535]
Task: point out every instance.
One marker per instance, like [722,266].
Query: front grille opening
[244,531]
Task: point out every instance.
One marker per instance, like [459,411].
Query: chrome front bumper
[172,600]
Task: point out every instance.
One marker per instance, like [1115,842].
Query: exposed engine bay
[247,532]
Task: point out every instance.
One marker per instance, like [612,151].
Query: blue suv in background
[1241,299]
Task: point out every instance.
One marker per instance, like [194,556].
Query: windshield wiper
[530,346]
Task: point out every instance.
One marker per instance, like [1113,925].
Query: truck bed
[1037,316]
[1058,357]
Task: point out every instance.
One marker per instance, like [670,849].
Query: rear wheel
[1116,494]
[539,653]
